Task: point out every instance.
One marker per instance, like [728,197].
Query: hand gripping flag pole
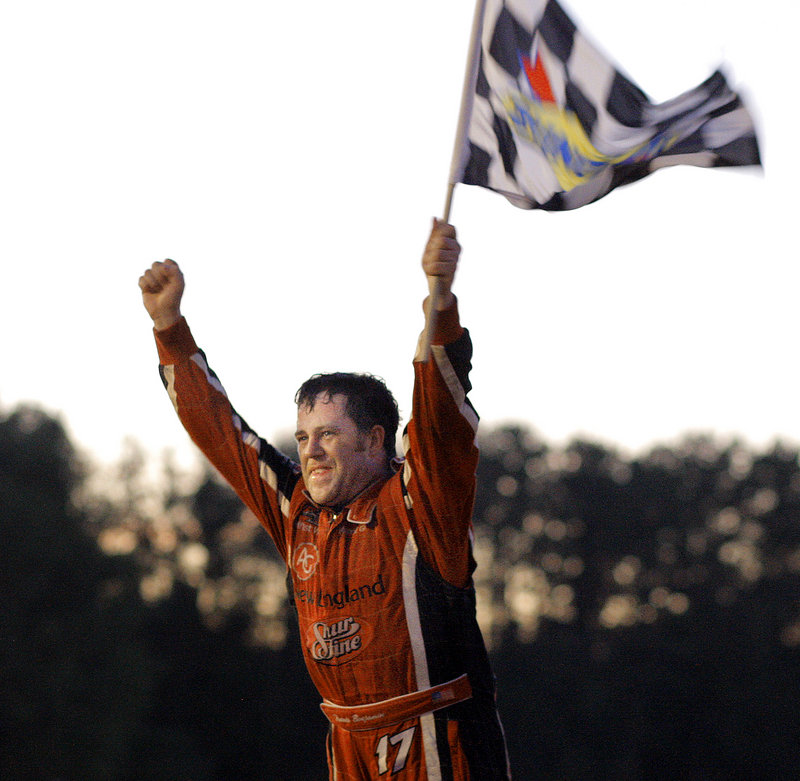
[460,155]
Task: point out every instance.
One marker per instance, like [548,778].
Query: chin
[323,499]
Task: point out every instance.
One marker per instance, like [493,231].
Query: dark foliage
[680,656]
[74,679]
[644,617]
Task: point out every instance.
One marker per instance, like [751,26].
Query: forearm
[446,327]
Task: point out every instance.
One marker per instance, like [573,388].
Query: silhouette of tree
[72,679]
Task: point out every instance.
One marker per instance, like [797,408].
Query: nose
[314,446]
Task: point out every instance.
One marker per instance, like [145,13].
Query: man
[378,549]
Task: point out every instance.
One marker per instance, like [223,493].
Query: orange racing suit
[383,589]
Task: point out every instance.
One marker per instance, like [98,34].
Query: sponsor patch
[337,642]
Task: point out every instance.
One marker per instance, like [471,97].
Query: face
[337,460]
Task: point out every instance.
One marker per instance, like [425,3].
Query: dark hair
[369,401]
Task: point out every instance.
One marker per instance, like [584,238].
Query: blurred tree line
[643,615]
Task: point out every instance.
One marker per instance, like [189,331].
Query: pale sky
[290,158]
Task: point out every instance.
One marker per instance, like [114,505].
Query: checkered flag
[554,125]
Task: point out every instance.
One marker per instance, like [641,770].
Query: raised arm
[439,440]
[262,477]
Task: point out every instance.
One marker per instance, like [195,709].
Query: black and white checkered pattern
[707,126]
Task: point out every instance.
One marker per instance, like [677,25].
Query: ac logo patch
[306,560]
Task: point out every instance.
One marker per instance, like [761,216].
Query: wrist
[440,293]
[162,322]
[444,300]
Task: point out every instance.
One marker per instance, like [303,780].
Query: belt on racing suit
[376,715]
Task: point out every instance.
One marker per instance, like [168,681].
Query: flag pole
[458,160]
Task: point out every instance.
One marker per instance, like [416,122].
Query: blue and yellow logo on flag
[557,131]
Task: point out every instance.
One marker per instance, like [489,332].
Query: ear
[375,439]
